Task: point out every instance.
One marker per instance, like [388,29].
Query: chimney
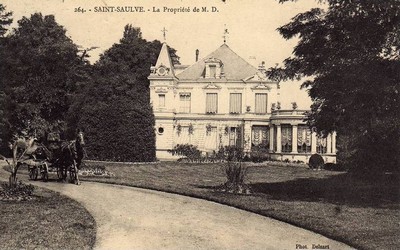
[197,55]
[261,67]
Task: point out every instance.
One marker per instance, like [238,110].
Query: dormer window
[214,68]
[213,71]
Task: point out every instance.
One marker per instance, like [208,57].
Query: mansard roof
[234,67]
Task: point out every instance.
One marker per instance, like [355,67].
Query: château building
[223,100]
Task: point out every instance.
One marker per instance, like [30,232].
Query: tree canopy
[40,70]
[5,20]
[351,51]
[115,106]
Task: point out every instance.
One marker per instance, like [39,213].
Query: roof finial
[225,36]
[164,31]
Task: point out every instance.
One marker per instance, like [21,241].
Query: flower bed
[21,192]
[95,170]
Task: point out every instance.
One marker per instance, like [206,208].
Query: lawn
[48,221]
[361,214]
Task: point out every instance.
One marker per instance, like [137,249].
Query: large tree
[5,21]
[115,107]
[40,70]
[350,49]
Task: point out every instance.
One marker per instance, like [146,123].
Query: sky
[252,27]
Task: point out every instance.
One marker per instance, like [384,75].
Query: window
[211,103]
[235,105]
[261,104]
[183,135]
[210,141]
[184,102]
[321,145]
[303,139]
[260,136]
[161,100]
[286,138]
[213,71]
[160,130]
[233,136]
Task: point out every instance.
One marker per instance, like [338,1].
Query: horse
[71,156]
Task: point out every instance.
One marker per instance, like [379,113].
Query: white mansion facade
[223,100]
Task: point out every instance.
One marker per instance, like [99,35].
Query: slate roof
[165,59]
[235,67]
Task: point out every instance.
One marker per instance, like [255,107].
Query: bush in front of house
[189,151]
[334,167]
[234,170]
[259,153]
[316,162]
[235,173]
[231,153]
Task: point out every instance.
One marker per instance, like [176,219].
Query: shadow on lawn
[340,189]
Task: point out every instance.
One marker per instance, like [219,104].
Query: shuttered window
[184,102]
[261,104]
[211,103]
[235,104]
[161,100]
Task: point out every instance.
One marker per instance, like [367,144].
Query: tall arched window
[286,138]
[321,145]
[303,139]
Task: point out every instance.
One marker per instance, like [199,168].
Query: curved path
[134,218]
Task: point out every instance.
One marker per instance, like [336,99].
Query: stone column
[334,142]
[294,138]
[313,143]
[271,138]
[329,144]
[278,139]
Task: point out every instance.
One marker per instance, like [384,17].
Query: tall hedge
[114,109]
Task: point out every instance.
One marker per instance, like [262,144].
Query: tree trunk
[13,179]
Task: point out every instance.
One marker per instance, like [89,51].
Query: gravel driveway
[134,218]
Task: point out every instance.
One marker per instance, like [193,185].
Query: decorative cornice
[212,86]
[161,90]
[261,86]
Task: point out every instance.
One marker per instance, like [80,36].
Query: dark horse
[70,157]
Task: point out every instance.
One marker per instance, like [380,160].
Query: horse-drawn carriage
[54,155]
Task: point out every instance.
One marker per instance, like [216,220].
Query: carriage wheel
[32,173]
[44,173]
[36,173]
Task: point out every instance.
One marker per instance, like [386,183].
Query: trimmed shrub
[334,167]
[316,162]
[231,153]
[118,129]
[190,152]
[259,154]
